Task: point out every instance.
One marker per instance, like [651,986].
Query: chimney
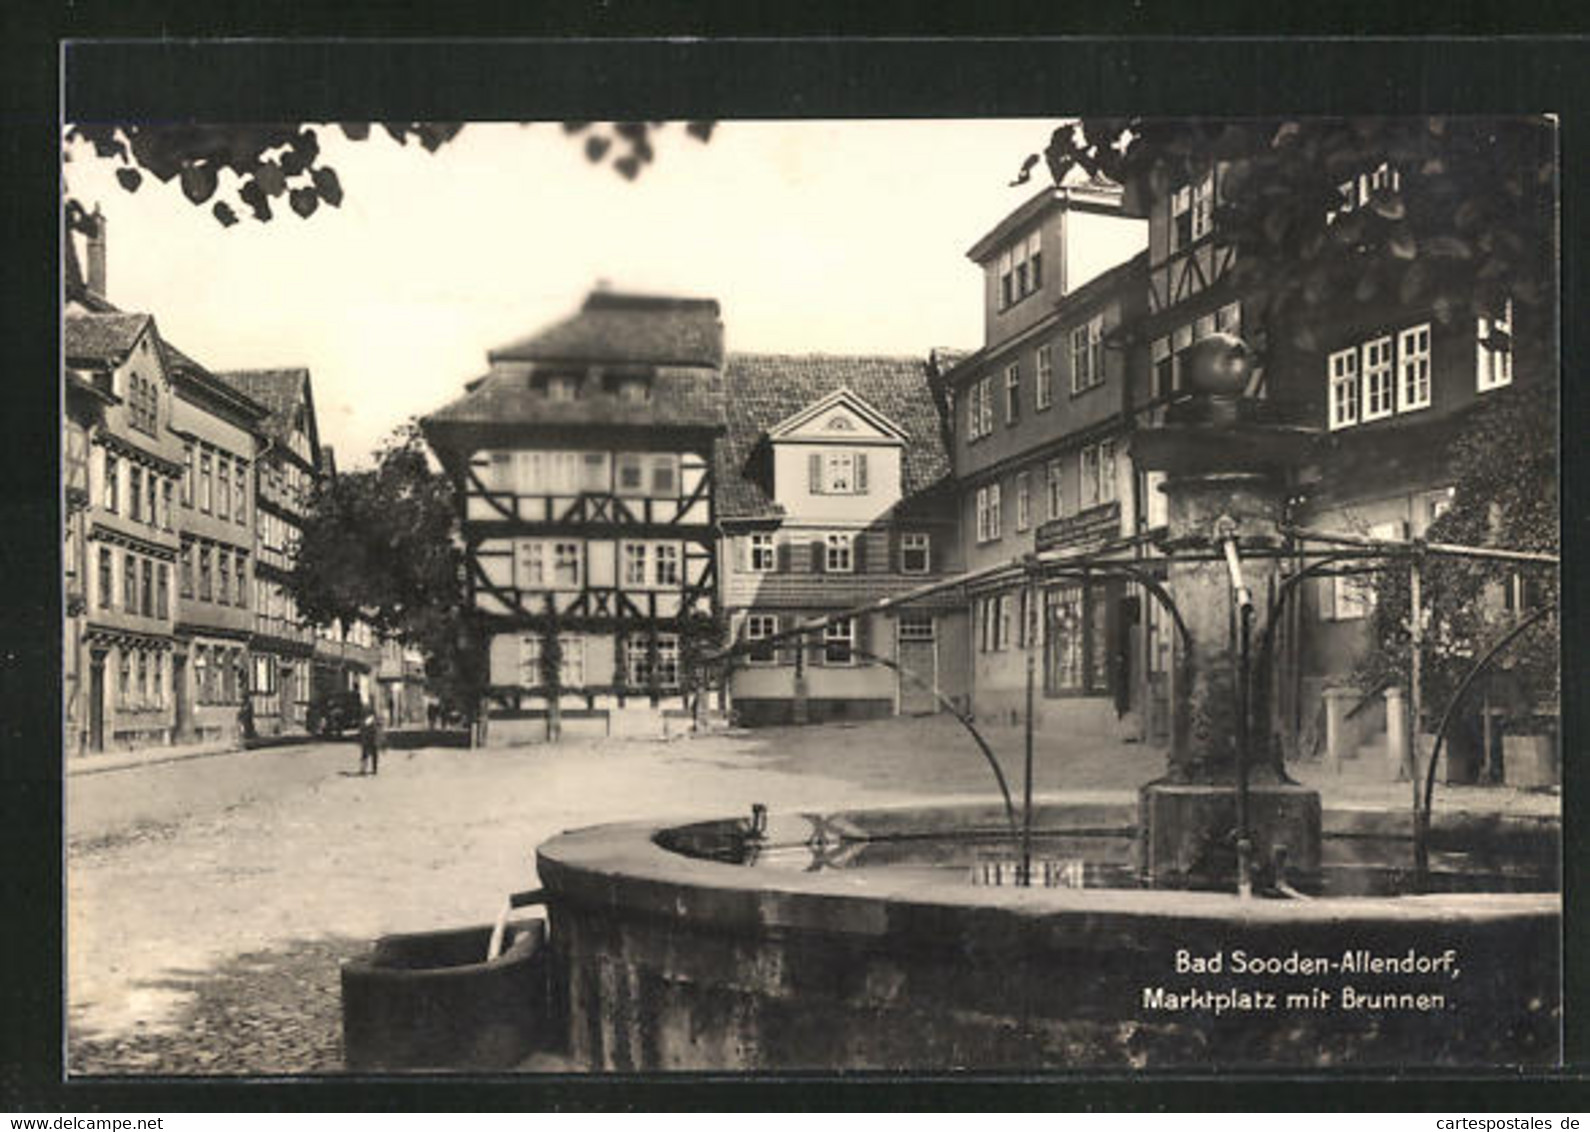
[96,254]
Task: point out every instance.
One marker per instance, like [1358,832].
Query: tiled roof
[613,327]
[101,338]
[280,391]
[679,398]
[764,389]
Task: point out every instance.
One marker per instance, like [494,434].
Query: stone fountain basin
[670,961]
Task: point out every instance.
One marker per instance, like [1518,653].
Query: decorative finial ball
[1219,364]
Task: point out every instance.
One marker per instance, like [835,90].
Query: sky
[831,237]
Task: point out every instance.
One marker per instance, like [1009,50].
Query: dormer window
[634,390]
[562,387]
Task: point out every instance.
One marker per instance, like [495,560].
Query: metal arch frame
[1421,836]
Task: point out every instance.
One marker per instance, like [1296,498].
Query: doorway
[179,695]
[96,701]
[918,655]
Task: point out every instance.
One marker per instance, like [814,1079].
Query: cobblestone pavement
[211,901]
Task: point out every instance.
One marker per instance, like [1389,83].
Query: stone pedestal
[1398,765]
[1188,831]
[1338,732]
[1225,487]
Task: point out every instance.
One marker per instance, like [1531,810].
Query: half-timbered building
[834,492]
[285,472]
[583,465]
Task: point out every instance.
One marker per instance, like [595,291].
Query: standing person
[369,739]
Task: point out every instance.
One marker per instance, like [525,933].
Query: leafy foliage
[1467,224]
[237,169]
[1509,503]
[378,545]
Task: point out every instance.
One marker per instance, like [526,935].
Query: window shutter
[928,554]
[818,562]
[862,629]
[861,473]
[815,649]
[858,552]
[895,564]
[745,553]
[1327,598]
[814,464]
[783,546]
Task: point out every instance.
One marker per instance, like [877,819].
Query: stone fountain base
[1187,831]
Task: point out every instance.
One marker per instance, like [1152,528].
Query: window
[1378,392]
[141,695]
[667,660]
[594,472]
[563,388]
[1098,474]
[566,564]
[1012,393]
[107,583]
[163,592]
[1228,319]
[1413,369]
[1087,354]
[763,557]
[206,503]
[839,553]
[185,570]
[529,564]
[1090,477]
[980,408]
[758,627]
[1023,501]
[165,504]
[838,472]
[664,475]
[839,642]
[1343,368]
[1351,599]
[667,563]
[124,680]
[1065,658]
[242,583]
[994,623]
[111,482]
[206,590]
[148,589]
[1002,622]
[1493,339]
[634,564]
[915,553]
[641,670]
[1021,270]
[223,499]
[1043,389]
[631,474]
[634,390]
[1053,482]
[201,674]
[571,661]
[129,583]
[135,491]
[1192,212]
[988,507]
[916,626]
[1356,192]
[1107,471]
[239,493]
[223,593]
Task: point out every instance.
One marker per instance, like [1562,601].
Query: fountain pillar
[1223,795]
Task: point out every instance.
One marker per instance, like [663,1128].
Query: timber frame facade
[583,465]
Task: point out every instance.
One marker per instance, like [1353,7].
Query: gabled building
[285,473]
[1041,419]
[120,397]
[583,461]
[834,491]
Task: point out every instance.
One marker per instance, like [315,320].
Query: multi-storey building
[1388,384]
[218,428]
[1040,420]
[129,543]
[583,464]
[832,492]
[83,414]
[285,469]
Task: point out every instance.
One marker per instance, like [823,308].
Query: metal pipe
[1416,546]
[500,929]
[1029,630]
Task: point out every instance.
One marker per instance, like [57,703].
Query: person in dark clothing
[245,716]
[370,738]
